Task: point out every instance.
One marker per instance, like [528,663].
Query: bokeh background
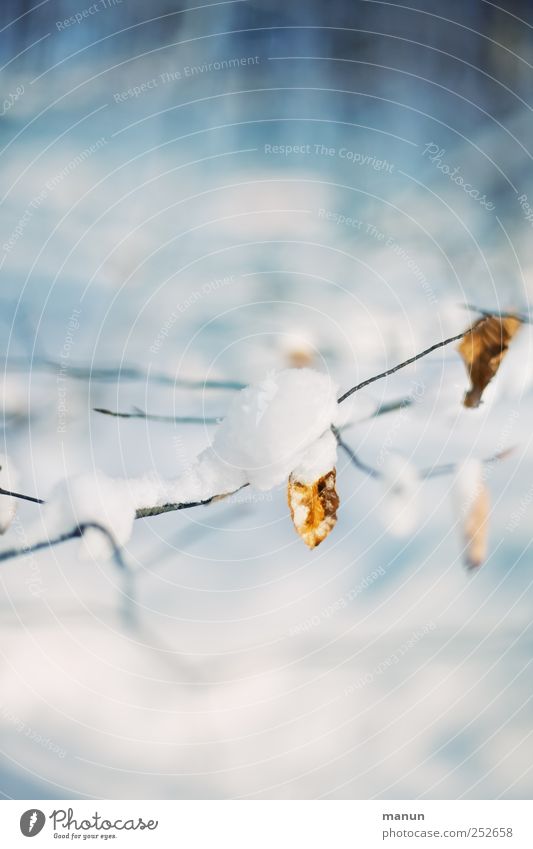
[212,192]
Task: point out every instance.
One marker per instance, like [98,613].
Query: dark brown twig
[75,533]
[405,363]
[424,474]
[145,512]
[108,374]
[525,319]
[141,414]
[21,496]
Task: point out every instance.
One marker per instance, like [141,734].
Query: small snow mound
[270,426]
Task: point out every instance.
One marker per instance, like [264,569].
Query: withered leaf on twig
[314,507]
[482,350]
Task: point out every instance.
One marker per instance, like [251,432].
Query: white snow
[271,429]
[319,459]
[278,426]
[271,426]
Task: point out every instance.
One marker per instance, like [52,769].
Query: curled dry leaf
[482,350]
[314,507]
[475,528]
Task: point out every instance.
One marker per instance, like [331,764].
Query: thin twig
[392,407]
[141,513]
[363,467]
[405,363]
[141,414]
[21,496]
[9,553]
[107,374]
[145,512]
[137,413]
[525,319]
[78,531]
[128,606]
[424,474]
[75,533]
[451,468]
[128,578]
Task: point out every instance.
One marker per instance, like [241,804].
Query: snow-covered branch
[285,428]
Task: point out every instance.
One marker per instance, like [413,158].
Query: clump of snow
[91,498]
[270,426]
[8,480]
[277,427]
[400,508]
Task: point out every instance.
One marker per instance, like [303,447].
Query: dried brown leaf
[482,349]
[314,507]
[475,529]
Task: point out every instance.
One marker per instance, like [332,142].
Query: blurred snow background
[159,228]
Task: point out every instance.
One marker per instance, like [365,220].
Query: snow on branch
[287,428]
